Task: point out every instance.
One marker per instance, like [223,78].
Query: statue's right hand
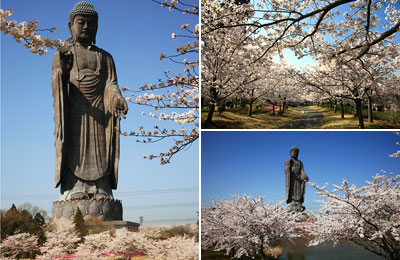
[66,61]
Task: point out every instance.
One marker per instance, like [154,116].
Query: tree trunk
[210,114]
[342,110]
[359,113]
[251,102]
[250,107]
[335,107]
[273,109]
[213,101]
[242,103]
[284,105]
[370,117]
[355,111]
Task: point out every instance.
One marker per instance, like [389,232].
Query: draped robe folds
[295,180]
[86,128]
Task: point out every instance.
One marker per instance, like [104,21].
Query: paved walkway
[309,119]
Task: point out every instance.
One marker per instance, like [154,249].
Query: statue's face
[294,153]
[83,29]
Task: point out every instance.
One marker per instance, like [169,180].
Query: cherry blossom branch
[26,32]
[173,5]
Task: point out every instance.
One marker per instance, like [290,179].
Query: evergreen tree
[80,223]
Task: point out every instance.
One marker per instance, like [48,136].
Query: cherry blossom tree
[357,80]
[285,87]
[94,245]
[122,242]
[180,248]
[153,231]
[227,55]
[128,243]
[388,93]
[61,238]
[19,246]
[338,81]
[274,85]
[368,216]
[247,226]
[306,26]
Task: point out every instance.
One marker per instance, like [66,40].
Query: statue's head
[83,20]
[294,152]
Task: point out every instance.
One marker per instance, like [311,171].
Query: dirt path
[309,119]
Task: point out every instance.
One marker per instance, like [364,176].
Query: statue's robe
[295,180]
[86,128]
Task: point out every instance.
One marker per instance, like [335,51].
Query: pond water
[342,251]
[299,251]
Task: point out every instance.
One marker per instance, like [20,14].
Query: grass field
[333,121]
[237,118]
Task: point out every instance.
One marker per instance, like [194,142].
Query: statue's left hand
[304,177]
[120,105]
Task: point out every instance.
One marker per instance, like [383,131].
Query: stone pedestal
[296,206]
[109,225]
[105,209]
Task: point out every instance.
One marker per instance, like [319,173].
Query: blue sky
[252,162]
[135,33]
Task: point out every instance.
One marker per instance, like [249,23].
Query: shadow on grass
[254,112]
[333,120]
[237,118]
[227,123]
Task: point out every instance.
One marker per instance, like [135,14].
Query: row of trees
[25,219]
[353,44]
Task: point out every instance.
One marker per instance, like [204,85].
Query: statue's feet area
[80,196]
[101,207]
[298,207]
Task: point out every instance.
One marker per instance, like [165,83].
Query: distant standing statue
[296,180]
[88,105]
